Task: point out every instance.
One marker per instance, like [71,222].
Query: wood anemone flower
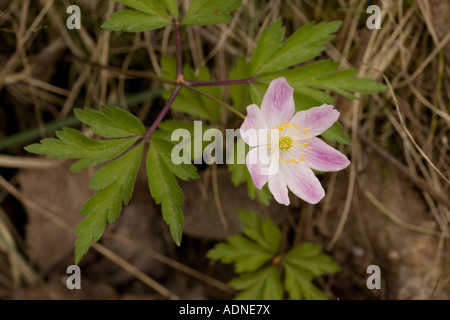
[290,145]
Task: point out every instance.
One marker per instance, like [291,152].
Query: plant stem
[163,113]
[179,82]
[230,108]
[219,82]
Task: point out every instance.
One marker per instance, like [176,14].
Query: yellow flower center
[285,143]
[291,141]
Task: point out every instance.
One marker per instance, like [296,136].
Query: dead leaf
[63,193]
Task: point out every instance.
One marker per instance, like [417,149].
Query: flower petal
[302,182]
[278,102]
[323,157]
[317,119]
[256,169]
[254,121]
[278,188]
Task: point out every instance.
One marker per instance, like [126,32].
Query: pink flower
[290,143]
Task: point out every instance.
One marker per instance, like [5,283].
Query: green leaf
[172,6]
[73,144]
[256,94]
[263,195]
[111,122]
[298,284]
[272,58]
[323,75]
[263,232]
[205,12]
[238,173]
[134,21]
[103,203]
[191,102]
[165,190]
[106,175]
[193,143]
[336,133]
[306,98]
[240,93]
[264,284]
[344,81]
[307,73]
[247,255]
[306,43]
[105,206]
[309,257]
[270,41]
[261,243]
[184,171]
[153,7]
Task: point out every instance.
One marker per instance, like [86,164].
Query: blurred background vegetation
[390,208]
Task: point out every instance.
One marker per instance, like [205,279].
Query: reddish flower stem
[163,113]
[180,82]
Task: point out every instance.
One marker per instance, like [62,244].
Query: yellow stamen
[285,143]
